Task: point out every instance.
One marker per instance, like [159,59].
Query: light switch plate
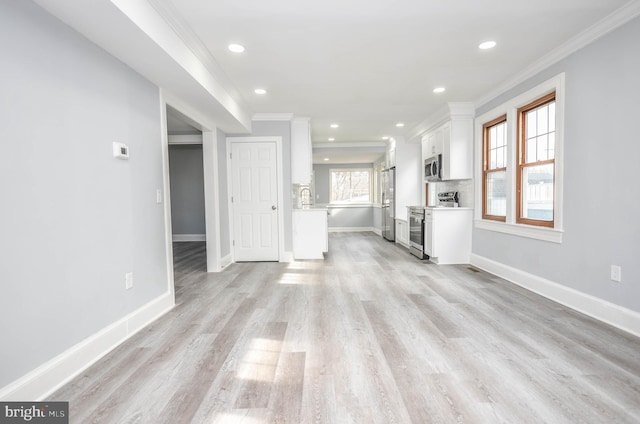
[120,151]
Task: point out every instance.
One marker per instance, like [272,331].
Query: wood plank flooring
[369,335]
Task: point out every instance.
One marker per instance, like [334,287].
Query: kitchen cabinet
[310,233]
[447,235]
[432,143]
[454,140]
[390,157]
[301,151]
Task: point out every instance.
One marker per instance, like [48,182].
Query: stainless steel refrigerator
[389,204]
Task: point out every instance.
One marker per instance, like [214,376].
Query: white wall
[223,195]
[409,179]
[601,197]
[73,219]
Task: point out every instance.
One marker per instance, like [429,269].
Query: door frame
[211,177]
[280,189]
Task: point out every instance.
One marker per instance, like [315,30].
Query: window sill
[346,205]
[529,231]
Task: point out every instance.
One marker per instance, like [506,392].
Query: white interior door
[255,201]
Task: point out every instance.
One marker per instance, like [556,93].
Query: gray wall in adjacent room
[282,129]
[346,217]
[73,219]
[322,178]
[601,151]
[223,195]
[187,189]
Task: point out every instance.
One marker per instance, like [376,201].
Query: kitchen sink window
[519,177]
[495,169]
[351,186]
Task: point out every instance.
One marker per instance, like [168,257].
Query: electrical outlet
[158,196]
[128,280]
[616,273]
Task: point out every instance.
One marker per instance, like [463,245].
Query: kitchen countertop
[311,209]
[441,208]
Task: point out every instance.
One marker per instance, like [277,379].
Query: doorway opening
[186,181]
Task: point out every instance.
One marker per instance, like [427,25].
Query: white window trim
[371,187]
[510,108]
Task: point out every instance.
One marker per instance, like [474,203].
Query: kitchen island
[310,233]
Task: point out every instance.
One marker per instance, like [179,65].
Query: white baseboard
[226,261]
[350,229]
[286,257]
[602,310]
[378,231]
[189,237]
[53,374]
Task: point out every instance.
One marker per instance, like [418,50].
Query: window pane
[552,145]
[492,137]
[537,192]
[552,117]
[350,186]
[496,200]
[542,147]
[531,123]
[531,150]
[499,134]
[500,157]
[494,160]
[543,120]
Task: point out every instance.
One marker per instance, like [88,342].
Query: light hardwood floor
[370,335]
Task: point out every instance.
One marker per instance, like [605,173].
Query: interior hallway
[370,335]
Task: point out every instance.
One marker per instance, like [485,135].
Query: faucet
[305,196]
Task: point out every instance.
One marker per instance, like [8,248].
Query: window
[494,160]
[535,165]
[351,186]
[519,152]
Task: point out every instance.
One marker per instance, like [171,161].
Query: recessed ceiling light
[260,91]
[438,90]
[332,139]
[236,48]
[400,124]
[334,125]
[326,158]
[386,137]
[487,45]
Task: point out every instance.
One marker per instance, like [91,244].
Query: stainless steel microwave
[433,168]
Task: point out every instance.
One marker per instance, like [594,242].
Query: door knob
[273,208]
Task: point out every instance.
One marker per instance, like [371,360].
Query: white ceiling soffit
[344,153]
[134,32]
[180,124]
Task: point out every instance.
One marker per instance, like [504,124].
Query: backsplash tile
[463,187]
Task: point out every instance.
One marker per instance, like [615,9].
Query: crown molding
[272,117]
[609,23]
[348,144]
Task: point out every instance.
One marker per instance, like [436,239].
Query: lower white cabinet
[447,235]
[310,233]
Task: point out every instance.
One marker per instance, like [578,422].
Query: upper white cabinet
[432,143]
[301,151]
[454,140]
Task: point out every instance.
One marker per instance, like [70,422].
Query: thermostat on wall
[120,151]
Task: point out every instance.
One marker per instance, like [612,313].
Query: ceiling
[365,65]
[369,64]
